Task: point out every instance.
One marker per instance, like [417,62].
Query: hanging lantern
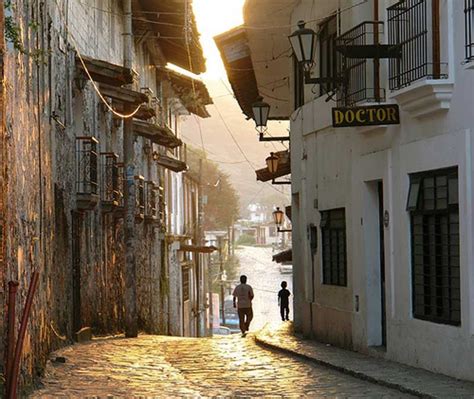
[261,110]
[278,217]
[303,42]
[272,163]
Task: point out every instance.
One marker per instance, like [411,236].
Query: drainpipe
[131,327]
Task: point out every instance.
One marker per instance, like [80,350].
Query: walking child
[283,301]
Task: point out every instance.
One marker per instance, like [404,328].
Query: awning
[105,72]
[284,168]
[284,256]
[171,163]
[123,95]
[144,113]
[197,248]
[162,24]
[157,134]
[192,92]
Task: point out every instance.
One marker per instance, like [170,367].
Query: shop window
[433,203]
[333,232]
[414,27]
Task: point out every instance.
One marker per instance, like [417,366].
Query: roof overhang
[157,134]
[162,24]
[284,256]
[171,163]
[284,168]
[104,72]
[257,56]
[192,92]
[197,248]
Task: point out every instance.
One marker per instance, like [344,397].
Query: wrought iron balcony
[151,205]
[413,26]
[469,29]
[139,198]
[87,185]
[359,54]
[110,194]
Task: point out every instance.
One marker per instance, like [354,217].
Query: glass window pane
[413,196]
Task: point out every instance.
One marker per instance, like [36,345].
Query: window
[333,231]
[298,70]
[327,52]
[433,204]
[86,165]
[414,26]
[469,26]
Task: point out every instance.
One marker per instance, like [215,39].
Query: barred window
[333,231]
[433,204]
[327,52]
[469,28]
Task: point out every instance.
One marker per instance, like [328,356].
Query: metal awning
[171,163]
[105,72]
[197,248]
[284,168]
[160,135]
[284,256]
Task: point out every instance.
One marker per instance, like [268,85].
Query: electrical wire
[94,84]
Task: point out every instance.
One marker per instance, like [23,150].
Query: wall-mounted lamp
[272,163]
[278,216]
[261,111]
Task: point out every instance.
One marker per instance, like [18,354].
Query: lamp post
[303,43]
[272,163]
[278,219]
[261,111]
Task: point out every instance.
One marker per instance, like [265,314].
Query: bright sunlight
[214,17]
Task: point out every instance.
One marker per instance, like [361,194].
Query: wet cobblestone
[158,366]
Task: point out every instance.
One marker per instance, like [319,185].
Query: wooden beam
[157,134]
[105,72]
[171,163]
[123,95]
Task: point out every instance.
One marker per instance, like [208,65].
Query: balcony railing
[140,197]
[151,205]
[110,180]
[469,29]
[413,26]
[361,74]
[121,185]
[87,185]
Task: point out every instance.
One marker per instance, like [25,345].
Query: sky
[227,137]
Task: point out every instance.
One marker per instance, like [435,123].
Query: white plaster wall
[340,168]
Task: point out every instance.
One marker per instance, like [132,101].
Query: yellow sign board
[387,114]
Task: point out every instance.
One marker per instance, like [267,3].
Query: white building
[382,215]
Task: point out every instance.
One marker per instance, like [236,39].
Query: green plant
[246,239]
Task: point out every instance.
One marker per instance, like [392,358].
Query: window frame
[332,237]
[328,56]
[434,225]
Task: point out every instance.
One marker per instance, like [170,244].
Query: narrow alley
[198,367]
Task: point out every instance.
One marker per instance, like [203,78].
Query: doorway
[382,263]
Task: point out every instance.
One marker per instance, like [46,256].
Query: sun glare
[214,17]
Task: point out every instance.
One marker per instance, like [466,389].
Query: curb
[357,374]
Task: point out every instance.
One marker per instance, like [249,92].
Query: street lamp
[260,110]
[272,163]
[303,43]
[278,219]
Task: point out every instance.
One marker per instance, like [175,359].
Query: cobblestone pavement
[395,375]
[161,366]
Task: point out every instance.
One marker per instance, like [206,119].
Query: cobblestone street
[177,367]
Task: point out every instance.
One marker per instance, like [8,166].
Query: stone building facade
[62,177]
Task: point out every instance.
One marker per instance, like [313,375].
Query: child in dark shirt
[283,301]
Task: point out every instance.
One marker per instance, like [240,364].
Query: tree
[222,206]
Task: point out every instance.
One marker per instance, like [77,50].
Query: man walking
[243,294]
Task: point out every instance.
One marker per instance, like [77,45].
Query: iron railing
[110,178]
[140,197]
[413,26]
[361,75]
[469,28]
[86,165]
[121,184]
[151,204]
